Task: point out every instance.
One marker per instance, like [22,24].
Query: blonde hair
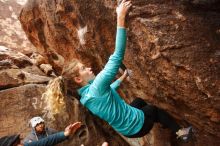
[56,90]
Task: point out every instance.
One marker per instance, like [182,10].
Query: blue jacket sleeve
[51,140]
[115,84]
[104,78]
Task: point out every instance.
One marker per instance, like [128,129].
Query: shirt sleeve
[51,131]
[51,140]
[104,78]
[28,139]
[115,84]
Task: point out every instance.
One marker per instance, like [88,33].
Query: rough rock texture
[173,49]
[11,33]
[21,86]
[23,80]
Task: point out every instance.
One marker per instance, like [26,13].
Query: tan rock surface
[23,80]
[11,33]
[21,88]
[173,50]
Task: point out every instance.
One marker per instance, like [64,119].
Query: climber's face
[85,74]
[40,127]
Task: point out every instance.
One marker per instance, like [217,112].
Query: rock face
[22,83]
[173,49]
[23,80]
[11,33]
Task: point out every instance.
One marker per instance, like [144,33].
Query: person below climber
[99,95]
[38,130]
[50,140]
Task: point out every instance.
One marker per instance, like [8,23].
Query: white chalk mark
[34,103]
[81,34]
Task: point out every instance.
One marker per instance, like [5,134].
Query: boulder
[22,84]
[11,34]
[173,51]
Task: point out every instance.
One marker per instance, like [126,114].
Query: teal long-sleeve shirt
[51,140]
[102,99]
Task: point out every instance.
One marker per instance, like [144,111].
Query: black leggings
[153,115]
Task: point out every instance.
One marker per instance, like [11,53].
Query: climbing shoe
[185,134]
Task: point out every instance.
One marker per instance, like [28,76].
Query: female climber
[99,95]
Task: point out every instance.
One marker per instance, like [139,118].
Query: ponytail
[54,97]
